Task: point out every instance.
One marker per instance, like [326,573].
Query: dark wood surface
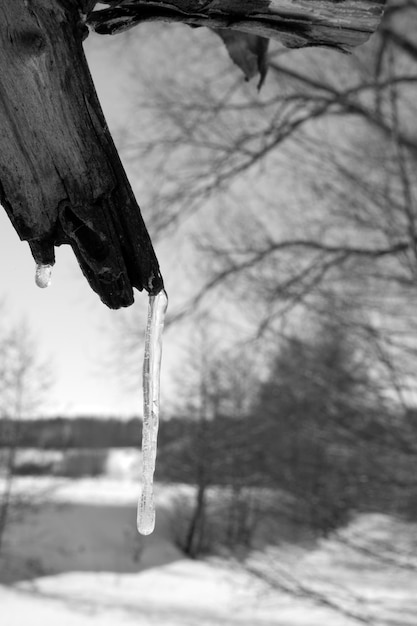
[341,24]
[61,179]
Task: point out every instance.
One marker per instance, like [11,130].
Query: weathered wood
[341,24]
[61,180]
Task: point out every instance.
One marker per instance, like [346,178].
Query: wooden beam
[61,179]
[340,24]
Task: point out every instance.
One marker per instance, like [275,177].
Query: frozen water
[151,376]
[43,275]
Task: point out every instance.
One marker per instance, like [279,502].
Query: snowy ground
[77,561]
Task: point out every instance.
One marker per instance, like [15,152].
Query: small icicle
[151,377]
[43,275]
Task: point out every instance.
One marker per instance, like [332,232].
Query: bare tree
[311,185]
[24,380]
[215,394]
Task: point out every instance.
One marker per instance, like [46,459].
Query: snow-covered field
[77,561]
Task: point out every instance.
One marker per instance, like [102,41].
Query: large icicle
[151,376]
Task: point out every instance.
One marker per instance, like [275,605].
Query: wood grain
[340,24]
[61,180]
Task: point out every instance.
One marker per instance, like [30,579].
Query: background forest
[286,225]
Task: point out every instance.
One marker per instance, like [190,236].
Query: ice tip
[146,530]
[146,521]
[43,275]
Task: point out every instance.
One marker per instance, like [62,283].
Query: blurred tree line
[312,442]
[73,432]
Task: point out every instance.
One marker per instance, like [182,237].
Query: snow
[78,561]
[185,593]
[123,463]
[182,594]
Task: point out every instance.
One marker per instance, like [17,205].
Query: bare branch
[296,23]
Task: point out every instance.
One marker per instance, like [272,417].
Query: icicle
[43,275]
[151,376]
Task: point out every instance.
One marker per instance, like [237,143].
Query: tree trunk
[341,24]
[194,540]
[61,180]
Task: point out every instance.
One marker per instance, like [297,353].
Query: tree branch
[61,179]
[340,24]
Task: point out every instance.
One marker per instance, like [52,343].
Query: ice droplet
[43,275]
[151,378]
